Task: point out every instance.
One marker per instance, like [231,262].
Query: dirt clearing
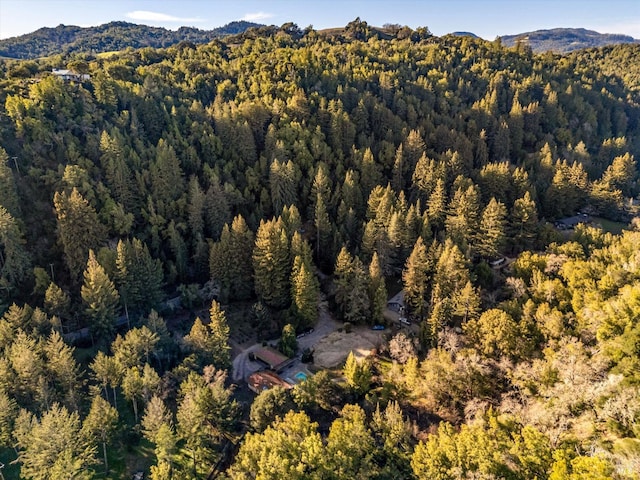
[332,350]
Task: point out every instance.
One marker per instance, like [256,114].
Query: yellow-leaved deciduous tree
[291,448]
[494,334]
[350,446]
[489,447]
[358,374]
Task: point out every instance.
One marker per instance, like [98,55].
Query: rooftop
[571,222]
[271,357]
[264,380]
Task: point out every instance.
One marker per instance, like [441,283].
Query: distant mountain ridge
[115,36]
[564,40]
[108,37]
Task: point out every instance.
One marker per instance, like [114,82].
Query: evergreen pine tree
[358,374]
[57,302]
[491,235]
[101,424]
[219,332]
[282,184]
[79,229]
[305,292]
[462,219]
[524,222]
[436,204]
[8,192]
[15,262]
[271,264]
[415,278]
[53,447]
[139,277]
[377,291]
[101,300]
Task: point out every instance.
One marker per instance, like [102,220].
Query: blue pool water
[301,376]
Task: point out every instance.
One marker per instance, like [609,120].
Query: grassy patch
[140,458]
[10,472]
[84,356]
[609,225]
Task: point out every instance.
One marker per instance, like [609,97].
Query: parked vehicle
[378,327]
[497,262]
[305,332]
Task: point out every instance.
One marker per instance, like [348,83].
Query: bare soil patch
[332,350]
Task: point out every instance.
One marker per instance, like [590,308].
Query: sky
[485,18]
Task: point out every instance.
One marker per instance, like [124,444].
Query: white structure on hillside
[70,76]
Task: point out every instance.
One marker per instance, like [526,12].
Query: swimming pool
[301,376]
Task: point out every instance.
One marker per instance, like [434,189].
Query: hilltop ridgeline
[565,40]
[111,36]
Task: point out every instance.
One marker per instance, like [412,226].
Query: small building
[569,223]
[272,358]
[264,380]
[70,76]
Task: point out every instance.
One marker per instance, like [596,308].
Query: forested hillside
[565,40]
[251,178]
[113,36]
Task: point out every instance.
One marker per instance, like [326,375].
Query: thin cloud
[148,16]
[257,16]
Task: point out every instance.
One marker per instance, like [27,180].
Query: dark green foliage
[351,288]
[271,264]
[230,260]
[15,261]
[563,40]
[109,37]
[415,278]
[138,276]
[288,343]
[79,229]
[269,405]
[305,292]
[260,158]
[101,300]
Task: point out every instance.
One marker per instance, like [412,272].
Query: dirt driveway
[243,367]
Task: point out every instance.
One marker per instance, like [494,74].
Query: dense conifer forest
[184,197]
